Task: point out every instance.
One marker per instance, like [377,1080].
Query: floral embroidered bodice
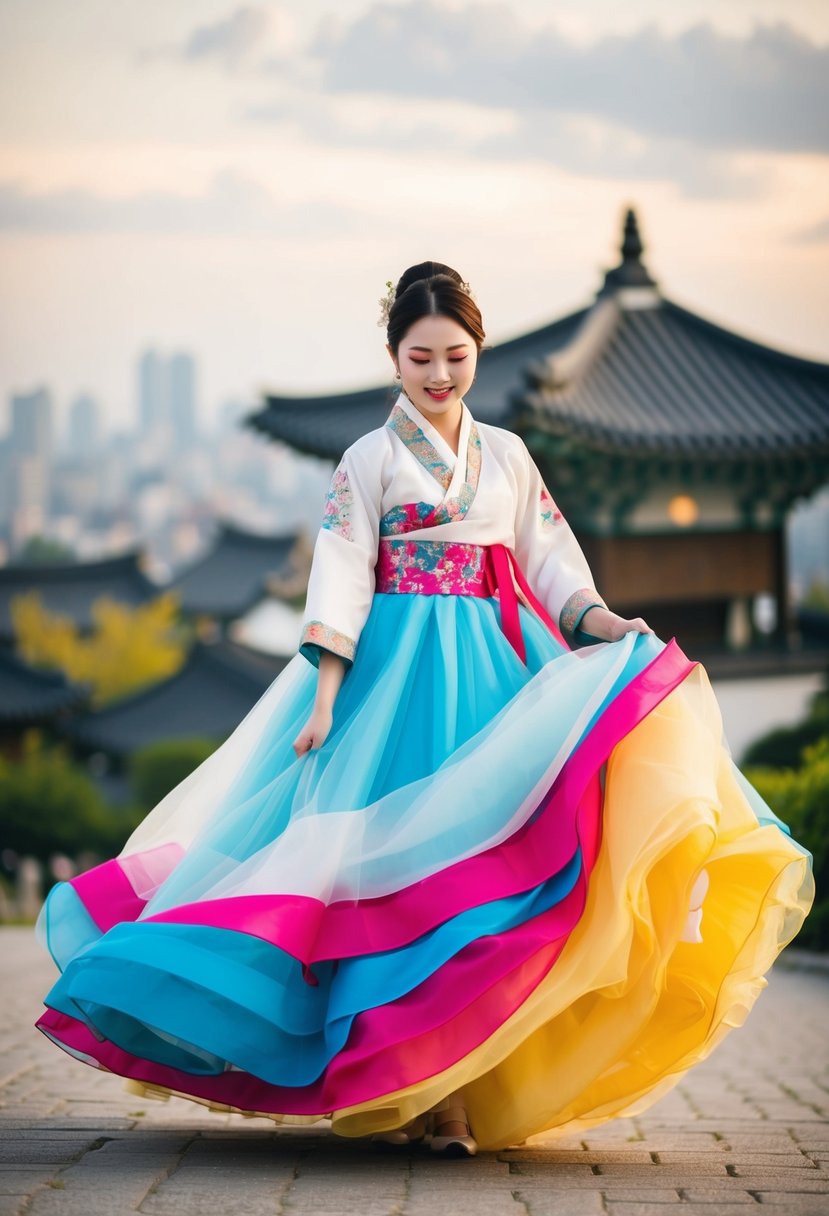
[403,479]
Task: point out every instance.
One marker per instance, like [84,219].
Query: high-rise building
[166,392]
[29,487]
[84,436]
[28,464]
[151,393]
[181,390]
[31,433]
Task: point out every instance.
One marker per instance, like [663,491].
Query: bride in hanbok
[478,865]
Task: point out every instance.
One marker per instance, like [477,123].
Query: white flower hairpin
[386,302]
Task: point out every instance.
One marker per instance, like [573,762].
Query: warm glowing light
[683,510]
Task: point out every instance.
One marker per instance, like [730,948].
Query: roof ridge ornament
[631,275]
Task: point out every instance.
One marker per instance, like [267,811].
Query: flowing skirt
[547,886]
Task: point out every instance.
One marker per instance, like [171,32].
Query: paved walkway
[746,1128]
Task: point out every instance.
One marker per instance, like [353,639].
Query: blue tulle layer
[248,998]
[431,676]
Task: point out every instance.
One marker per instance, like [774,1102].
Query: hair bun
[426,270]
[429,289]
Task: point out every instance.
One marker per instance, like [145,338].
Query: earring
[397,375]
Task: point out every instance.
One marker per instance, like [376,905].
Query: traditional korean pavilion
[30,697]
[674,447]
[71,588]
[207,697]
[239,570]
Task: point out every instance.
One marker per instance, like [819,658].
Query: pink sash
[429,567]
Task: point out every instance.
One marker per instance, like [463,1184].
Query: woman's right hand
[314,732]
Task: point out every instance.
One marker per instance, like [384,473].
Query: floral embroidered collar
[459,486]
[426,443]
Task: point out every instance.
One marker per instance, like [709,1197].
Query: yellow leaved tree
[127,649]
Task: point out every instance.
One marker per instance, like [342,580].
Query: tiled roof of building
[634,372]
[72,587]
[233,576]
[661,378]
[28,695]
[208,697]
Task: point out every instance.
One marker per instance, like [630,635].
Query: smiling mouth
[439,394]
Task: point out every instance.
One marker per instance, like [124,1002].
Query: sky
[240,180]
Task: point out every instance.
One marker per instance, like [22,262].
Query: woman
[477,862]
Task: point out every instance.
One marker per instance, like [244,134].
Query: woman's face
[436,360]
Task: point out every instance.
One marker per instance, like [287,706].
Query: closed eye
[422,362]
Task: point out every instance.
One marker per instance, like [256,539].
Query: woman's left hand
[609,626]
[620,625]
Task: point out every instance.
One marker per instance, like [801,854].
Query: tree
[48,805]
[158,768]
[44,549]
[128,649]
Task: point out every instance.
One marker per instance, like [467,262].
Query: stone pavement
[747,1128]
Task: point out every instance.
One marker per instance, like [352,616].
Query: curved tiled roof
[661,378]
[28,695]
[72,587]
[232,576]
[208,697]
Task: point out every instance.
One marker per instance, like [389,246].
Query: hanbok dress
[522,866]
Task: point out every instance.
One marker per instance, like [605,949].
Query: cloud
[231,40]
[815,234]
[232,205]
[767,90]
[251,37]
[586,147]
[595,148]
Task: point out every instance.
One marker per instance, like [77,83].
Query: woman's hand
[609,626]
[314,732]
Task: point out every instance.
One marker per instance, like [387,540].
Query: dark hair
[432,289]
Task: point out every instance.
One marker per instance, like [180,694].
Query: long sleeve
[550,556]
[341,582]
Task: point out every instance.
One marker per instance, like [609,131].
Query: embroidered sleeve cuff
[574,609]
[317,636]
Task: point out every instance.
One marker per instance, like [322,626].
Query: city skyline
[79,421]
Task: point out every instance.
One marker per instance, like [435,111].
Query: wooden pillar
[785,617]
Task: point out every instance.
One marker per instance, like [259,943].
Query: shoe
[456,1145]
[410,1133]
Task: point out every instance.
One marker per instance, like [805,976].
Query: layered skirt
[544,884]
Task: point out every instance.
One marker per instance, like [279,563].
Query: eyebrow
[428,349]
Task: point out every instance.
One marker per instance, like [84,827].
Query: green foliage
[159,768]
[817,596]
[801,798]
[43,549]
[783,747]
[129,648]
[48,804]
